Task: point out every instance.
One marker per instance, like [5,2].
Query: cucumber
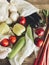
[17,47]
[29,33]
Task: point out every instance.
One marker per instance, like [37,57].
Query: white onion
[14,16]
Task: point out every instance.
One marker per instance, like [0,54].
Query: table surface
[41,4]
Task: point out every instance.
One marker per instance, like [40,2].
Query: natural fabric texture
[24,8]
[26,51]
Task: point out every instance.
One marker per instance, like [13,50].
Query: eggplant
[8,0]
[33,20]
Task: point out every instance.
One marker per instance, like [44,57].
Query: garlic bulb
[14,16]
[8,21]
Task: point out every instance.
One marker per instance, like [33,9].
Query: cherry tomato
[5,42]
[12,39]
[22,20]
[39,31]
[38,42]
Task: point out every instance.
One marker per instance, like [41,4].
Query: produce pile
[22,34]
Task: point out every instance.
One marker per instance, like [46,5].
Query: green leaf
[45,12]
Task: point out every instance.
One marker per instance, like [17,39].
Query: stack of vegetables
[17,40]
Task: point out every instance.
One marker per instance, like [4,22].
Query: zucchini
[17,47]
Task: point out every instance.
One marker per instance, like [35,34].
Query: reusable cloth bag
[24,52]
[24,8]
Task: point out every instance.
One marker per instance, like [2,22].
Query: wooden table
[41,4]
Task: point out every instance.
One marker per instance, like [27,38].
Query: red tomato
[12,39]
[39,31]
[5,42]
[38,42]
[22,20]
